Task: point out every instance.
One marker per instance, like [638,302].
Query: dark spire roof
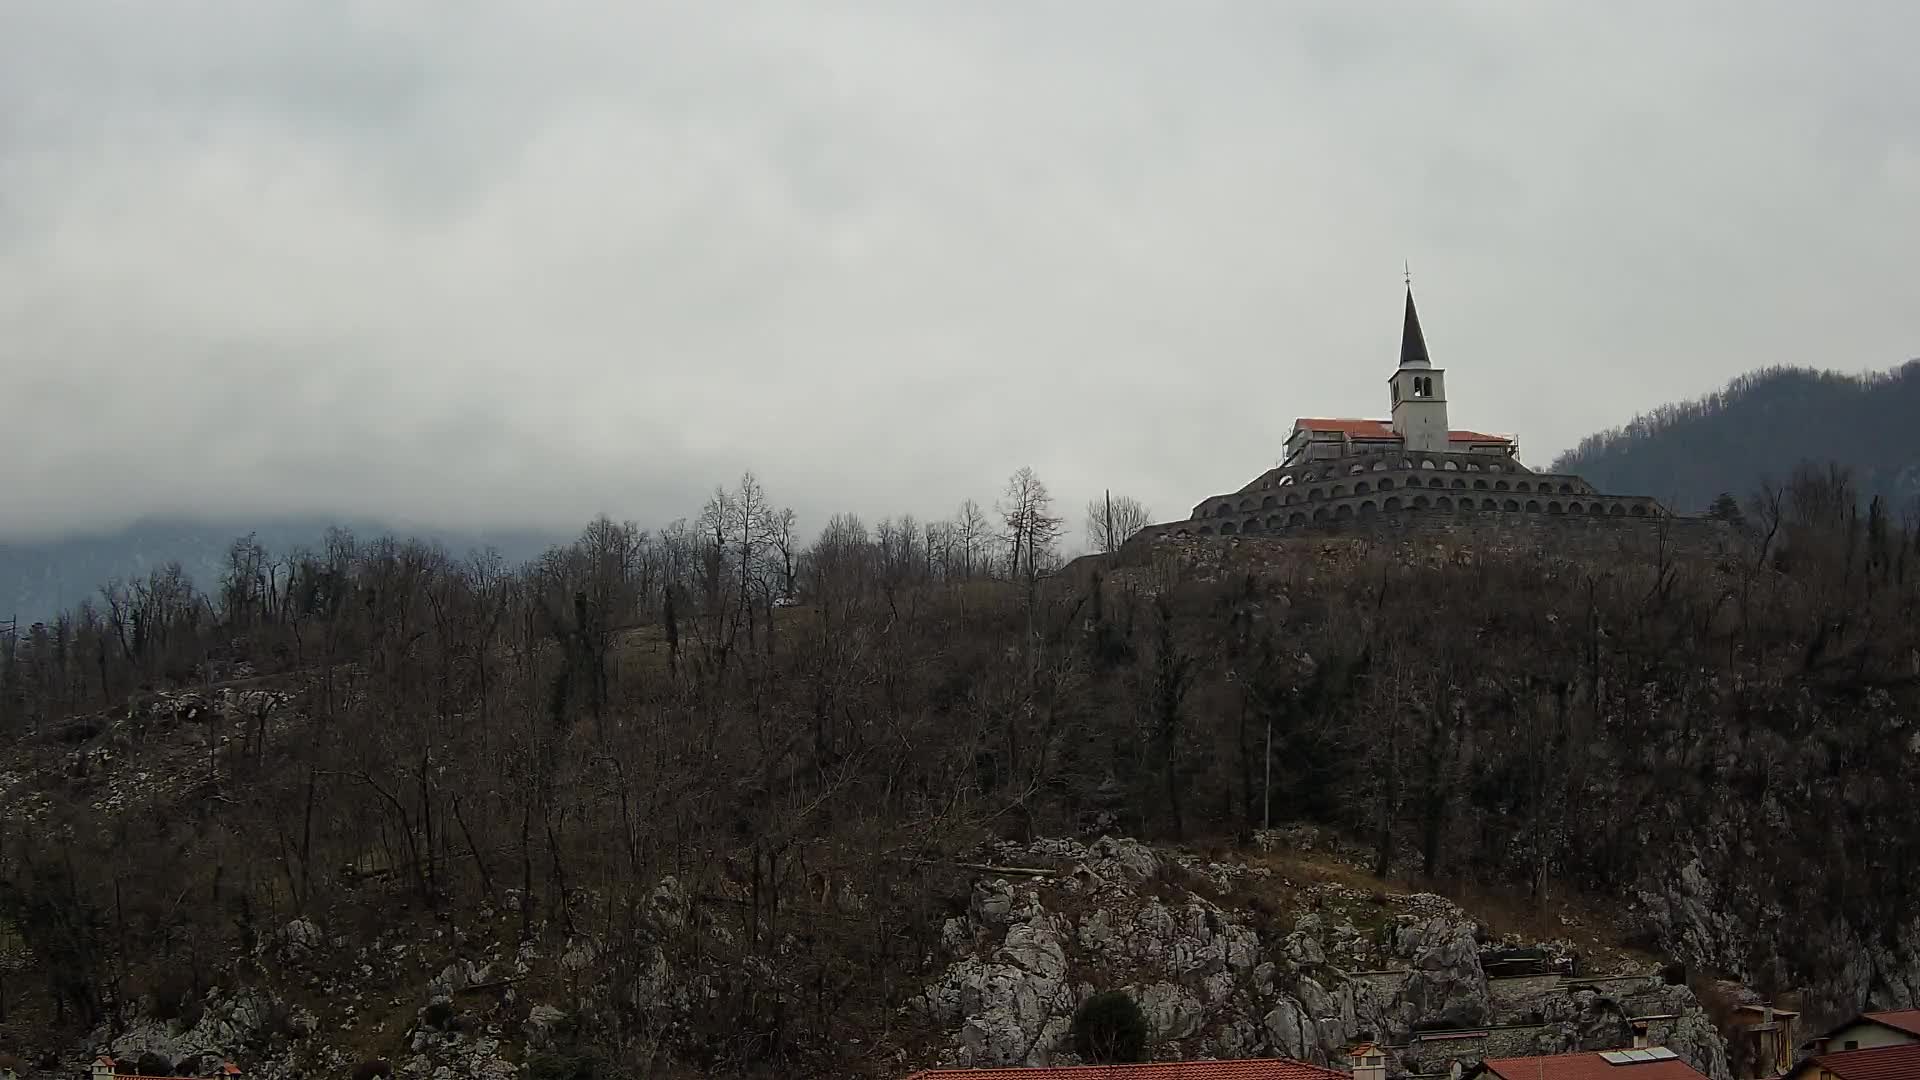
[1413,344]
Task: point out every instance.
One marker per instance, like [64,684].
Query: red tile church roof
[1383,429]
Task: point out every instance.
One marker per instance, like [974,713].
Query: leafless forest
[806,733]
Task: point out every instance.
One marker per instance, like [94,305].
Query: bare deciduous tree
[1113,519]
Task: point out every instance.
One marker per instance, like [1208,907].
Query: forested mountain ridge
[1756,430]
[42,577]
[625,812]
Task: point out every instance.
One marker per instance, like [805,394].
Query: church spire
[1413,344]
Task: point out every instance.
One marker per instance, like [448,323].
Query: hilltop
[1757,430]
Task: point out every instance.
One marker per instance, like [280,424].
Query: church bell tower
[1419,391]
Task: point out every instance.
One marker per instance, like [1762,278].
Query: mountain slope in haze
[1761,426]
[40,578]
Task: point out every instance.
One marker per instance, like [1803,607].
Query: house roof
[1382,429]
[226,1069]
[1880,1063]
[1907,1020]
[1588,1066]
[1251,1069]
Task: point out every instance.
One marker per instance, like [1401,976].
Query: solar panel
[1636,1057]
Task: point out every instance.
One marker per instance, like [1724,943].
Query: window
[1851,1044]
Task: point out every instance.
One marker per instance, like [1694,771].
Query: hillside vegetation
[734,817]
[1757,430]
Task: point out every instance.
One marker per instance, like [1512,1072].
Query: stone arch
[1293,497]
[1459,482]
[1386,483]
[1510,506]
[1521,485]
[1380,466]
[1223,510]
[1554,507]
[1393,504]
[1566,489]
[1436,482]
[1489,504]
[1368,509]
[1617,510]
[1361,488]
[1576,508]
[1252,525]
[1296,519]
[1443,503]
[1227,528]
[1473,466]
[1639,510]
[1419,502]
[1320,513]
[1406,463]
[1339,492]
[1480,485]
[1595,509]
[1533,506]
[1427,463]
[1357,469]
[1274,522]
[1315,494]
[1450,466]
[1246,504]
[1494,468]
[1500,485]
[1267,503]
[1343,512]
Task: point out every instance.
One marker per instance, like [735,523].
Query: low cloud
[487,264]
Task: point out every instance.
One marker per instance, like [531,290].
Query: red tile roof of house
[1907,1020]
[1252,1069]
[1383,429]
[226,1069]
[1880,1063]
[1588,1066]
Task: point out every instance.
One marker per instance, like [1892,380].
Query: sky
[485,264]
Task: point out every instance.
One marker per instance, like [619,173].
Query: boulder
[1171,1012]
[1289,1032]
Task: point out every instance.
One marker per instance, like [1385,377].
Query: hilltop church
[1339,472]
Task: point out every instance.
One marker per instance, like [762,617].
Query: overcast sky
[486,263]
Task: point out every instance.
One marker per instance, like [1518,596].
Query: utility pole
[1266,793]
